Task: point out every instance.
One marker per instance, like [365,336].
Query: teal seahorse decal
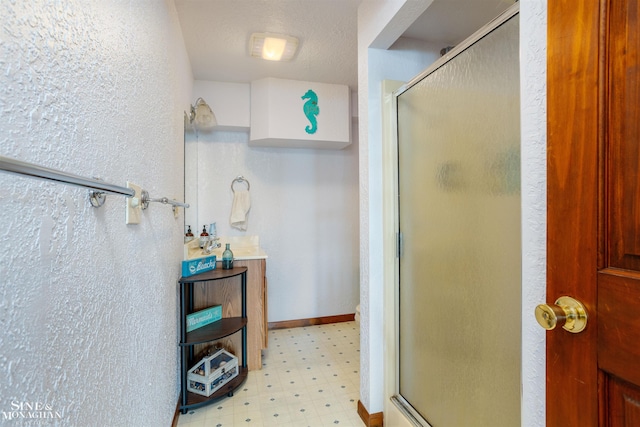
[311,110]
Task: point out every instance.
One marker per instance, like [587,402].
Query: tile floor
[310,377]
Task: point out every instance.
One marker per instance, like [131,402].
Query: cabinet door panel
[256,310]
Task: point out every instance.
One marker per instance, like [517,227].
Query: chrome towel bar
[34,171]
[97,188]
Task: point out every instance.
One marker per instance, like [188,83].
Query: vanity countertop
[243,248]
[242,253]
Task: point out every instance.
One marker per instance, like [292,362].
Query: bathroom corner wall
[379,28]
[89,304]
[304,207]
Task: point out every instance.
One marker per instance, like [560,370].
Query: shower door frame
[391,218]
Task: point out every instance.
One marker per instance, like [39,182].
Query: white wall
[377,22]
[405,60]
[304,207]
[533,98]
[89,313]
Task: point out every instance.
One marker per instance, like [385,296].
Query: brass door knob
[567,312]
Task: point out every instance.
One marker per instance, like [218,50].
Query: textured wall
[533,98]
[88,304]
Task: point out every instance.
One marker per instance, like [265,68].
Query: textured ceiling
[217,32]
[217,35]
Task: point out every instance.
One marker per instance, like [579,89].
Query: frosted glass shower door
[459,215]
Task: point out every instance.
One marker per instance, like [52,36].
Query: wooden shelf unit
[223,328]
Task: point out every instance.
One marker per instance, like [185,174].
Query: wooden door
[593,240]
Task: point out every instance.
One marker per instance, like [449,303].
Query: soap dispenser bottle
[204,237]
[227,258]
[188,236]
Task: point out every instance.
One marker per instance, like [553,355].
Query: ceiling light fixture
[273,47]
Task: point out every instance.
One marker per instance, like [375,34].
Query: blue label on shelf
[198,265]
[203,317]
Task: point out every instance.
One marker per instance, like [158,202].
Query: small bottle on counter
[204,237]
[188,236]
[227,258]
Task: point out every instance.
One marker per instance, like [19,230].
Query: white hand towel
[240,209]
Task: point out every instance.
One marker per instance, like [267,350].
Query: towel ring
[240,179]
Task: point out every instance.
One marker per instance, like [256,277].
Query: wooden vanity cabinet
[257,333]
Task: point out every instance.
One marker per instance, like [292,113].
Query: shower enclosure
[459,284]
